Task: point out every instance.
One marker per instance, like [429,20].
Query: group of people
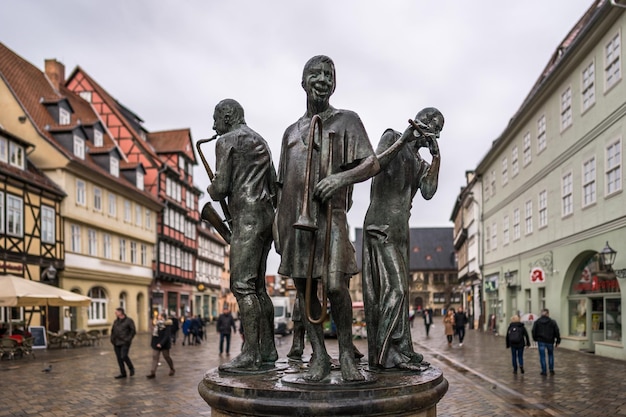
[545,332]
[454,323]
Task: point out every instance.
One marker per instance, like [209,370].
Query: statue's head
[432,118]
[318,78]
[228,113]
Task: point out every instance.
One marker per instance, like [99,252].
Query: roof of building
[430,248]
[173,141]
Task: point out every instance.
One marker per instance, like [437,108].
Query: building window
[15,216]
[487,240]
[127,212]
[140,183]
[612,62]
[589,181]
[181,163]
[589,86]
[115,166]
[493,182]
[48,230]
[138,216]
[528,216]
[505,230]
[543,209]
[566,108]
[614,167]
[64,116]
[541,134]
[106,246]
[133,252]
[122,250]
[494,236]
[1,212]
[542,298]
[81,193]
[144,255]
[97,312]
[16,155]
[516,224]
[97,138]
[4,150]
[514,162]
[97,199]
[527,150]
[75,238]
[567,197]
[79,147]
[505,171]
[148,220]
[85,95]
[92,242]
[112,205]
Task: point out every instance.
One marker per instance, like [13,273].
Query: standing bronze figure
[350,160]
[386,238]
[245,175]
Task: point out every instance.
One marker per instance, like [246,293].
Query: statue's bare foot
[349,371]
[318,368]
[245,361]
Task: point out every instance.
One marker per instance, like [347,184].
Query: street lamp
[607,256]
[49,274]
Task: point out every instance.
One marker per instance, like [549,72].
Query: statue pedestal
[284,393]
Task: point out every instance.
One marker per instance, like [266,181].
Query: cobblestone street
[481,380]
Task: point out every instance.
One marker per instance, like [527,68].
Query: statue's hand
[325,189]
[433,147]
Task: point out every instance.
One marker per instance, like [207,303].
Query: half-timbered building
[169,160]
[109,218]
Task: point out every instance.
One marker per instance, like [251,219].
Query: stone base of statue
[284,392]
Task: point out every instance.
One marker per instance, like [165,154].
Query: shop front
[595,308]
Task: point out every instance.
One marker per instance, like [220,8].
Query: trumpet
[306,223]
[209,214]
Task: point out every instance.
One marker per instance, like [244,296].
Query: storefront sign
[12,267]
[537,275]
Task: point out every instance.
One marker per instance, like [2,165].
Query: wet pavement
[481,380]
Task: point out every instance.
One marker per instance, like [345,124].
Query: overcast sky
[172,61]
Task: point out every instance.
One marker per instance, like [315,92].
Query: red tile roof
[173,141]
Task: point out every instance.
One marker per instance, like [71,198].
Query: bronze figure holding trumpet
[245,177]
[336,153]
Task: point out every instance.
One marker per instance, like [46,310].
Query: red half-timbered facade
[169,159]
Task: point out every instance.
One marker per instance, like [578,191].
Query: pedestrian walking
[546,334]
[122,334]
[428,319]
[448,322]
[460,321]
[161,343]
[195,330]
[187,331]
[225,325]
[175,327]
[517,339]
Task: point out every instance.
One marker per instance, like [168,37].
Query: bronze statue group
[303,208]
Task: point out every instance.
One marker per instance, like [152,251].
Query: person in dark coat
[428,319]
[546,334]
[175,327]
[460,321]
[187,331]
[161,343]
[517,339]
[225,326]
[195,330]
[122,333]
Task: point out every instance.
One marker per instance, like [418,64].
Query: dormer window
[181,163]
[114,164]
[79,147]
[140,180]
[16,155]
[64,116]
[97,138]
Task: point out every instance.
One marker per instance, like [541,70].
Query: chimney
[55,71]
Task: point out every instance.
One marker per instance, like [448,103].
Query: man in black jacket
[546,334]
[225,322]
[122,334]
